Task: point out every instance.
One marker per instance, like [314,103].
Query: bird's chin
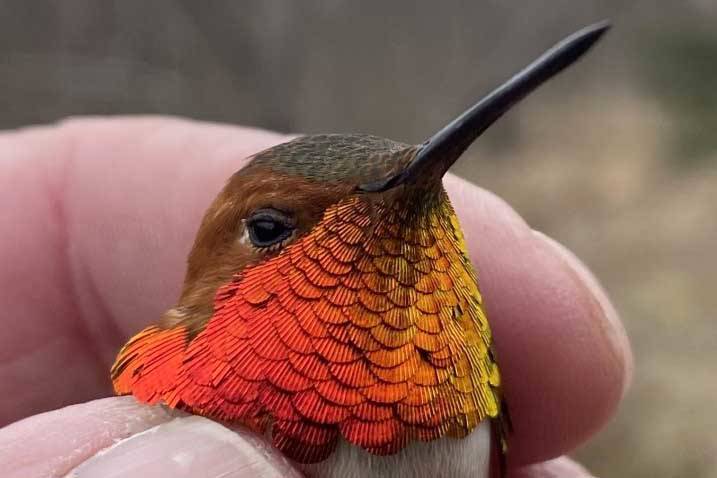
[442,458]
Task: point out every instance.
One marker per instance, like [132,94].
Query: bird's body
[330,303]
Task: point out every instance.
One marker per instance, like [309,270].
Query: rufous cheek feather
[364,322]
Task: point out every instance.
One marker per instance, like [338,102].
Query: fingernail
[614,330]
[188,447]
[562,467]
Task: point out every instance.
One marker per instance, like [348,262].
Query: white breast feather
[442,458]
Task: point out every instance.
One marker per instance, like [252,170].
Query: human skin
[97,217]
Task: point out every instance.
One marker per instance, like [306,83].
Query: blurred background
[616,158]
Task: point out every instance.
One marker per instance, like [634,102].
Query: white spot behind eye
[244,237]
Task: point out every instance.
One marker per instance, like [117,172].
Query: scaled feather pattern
[369,327]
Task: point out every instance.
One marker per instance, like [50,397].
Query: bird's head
[329,293]
[285,192]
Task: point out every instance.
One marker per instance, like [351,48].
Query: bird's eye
[269,227]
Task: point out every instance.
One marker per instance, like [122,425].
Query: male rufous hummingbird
[329,303]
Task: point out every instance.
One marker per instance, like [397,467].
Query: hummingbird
[330,304]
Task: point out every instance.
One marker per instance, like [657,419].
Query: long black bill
[439,152]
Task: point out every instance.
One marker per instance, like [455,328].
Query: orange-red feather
[369,328]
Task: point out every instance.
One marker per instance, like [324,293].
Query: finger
[187,447]
[562,350]
[52,443]
[123,215]
[117,437]
[562,467]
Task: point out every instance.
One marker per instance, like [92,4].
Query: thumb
[118,437]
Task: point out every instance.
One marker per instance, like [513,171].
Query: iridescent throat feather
[380,339]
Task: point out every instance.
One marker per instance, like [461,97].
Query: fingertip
[564,366]
[613,328]
[51,443]
[563,353]
[562,467]
[188,447]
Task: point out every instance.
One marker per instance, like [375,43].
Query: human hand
[98,216]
